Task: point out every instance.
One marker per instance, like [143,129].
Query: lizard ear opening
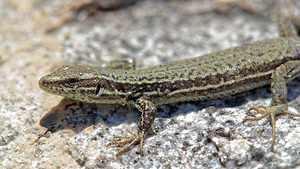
[98,89]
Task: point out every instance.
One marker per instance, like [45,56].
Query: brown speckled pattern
[211,76]
[219,74]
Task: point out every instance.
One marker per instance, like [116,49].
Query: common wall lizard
[269,62]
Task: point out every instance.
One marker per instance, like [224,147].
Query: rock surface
[38,36]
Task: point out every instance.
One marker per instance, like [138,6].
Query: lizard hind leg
[282,74]
[269,111]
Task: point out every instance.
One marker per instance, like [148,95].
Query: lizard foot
[134,139]
[272,112]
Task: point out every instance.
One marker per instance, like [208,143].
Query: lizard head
[76,82]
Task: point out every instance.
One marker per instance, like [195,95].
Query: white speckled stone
[186,135]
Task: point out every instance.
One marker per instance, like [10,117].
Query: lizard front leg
[283,74]
[148,113]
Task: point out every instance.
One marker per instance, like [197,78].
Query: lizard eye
[73,80]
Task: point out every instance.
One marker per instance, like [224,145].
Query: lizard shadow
[76,116]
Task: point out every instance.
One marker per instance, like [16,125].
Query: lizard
[273,62]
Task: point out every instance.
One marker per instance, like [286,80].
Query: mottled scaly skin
[211,76]
[223,73]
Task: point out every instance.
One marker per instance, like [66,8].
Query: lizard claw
[40,136]
[265,111]
[134,139]
[272,112]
